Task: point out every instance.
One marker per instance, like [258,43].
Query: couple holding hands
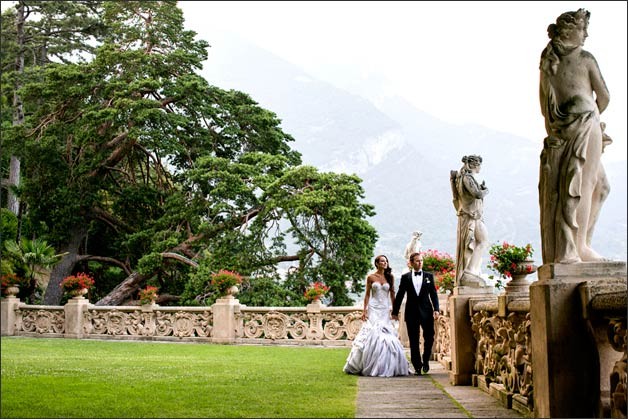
[376,349]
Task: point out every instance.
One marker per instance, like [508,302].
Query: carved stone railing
[38,320]
[314,324]
[618,379]
[441,351]
[604,309]
[224,322]
[150,322]
[503,361]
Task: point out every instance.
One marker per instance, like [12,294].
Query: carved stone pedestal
[223,311]
[564,349]
[462,340]
[74,310]
[7,315]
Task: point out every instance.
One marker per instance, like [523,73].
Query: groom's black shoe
[417,370]
[426,368]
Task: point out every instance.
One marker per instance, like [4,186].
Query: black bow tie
[418,273]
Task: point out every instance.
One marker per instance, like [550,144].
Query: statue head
[472,161]
[417,234]
[568,22]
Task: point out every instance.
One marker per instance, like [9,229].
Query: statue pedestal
[471,291]
[566,373]
[472,280]
[462,341]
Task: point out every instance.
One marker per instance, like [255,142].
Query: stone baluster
[224,314]
[74,309]
[7,314]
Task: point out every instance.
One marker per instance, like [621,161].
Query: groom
[421,310]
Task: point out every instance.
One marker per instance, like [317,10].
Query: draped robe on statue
[560,177]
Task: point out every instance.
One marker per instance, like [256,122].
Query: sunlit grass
[95,379]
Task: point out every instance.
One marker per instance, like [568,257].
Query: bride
[376,350]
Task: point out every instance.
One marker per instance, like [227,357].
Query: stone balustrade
[226,321]
[503,362]
[314,324]
[441,351]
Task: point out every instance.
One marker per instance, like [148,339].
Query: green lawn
[48,378]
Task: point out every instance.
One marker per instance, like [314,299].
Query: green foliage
[108,278]
[6,267]
[31,259]
[149,263]
[8,225]
[294,379]
[267,292]
[129,154]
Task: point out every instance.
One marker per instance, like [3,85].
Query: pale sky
[462,62]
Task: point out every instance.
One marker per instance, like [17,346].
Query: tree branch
[105,259]
[180,258]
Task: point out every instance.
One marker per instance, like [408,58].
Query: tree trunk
[123,291]
[64,268]
[13,202]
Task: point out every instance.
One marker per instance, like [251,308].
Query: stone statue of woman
[472,236]
[572,181]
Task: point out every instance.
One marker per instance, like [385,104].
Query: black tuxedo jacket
[420,306]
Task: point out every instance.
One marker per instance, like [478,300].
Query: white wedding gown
[376,349]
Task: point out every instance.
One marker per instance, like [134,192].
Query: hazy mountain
[405,156]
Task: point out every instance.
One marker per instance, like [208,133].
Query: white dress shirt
[417,280]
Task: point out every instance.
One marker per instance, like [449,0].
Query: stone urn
[78,293]
[519,284]
[232,291]
[12,290]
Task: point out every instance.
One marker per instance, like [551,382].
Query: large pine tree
[140,170]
